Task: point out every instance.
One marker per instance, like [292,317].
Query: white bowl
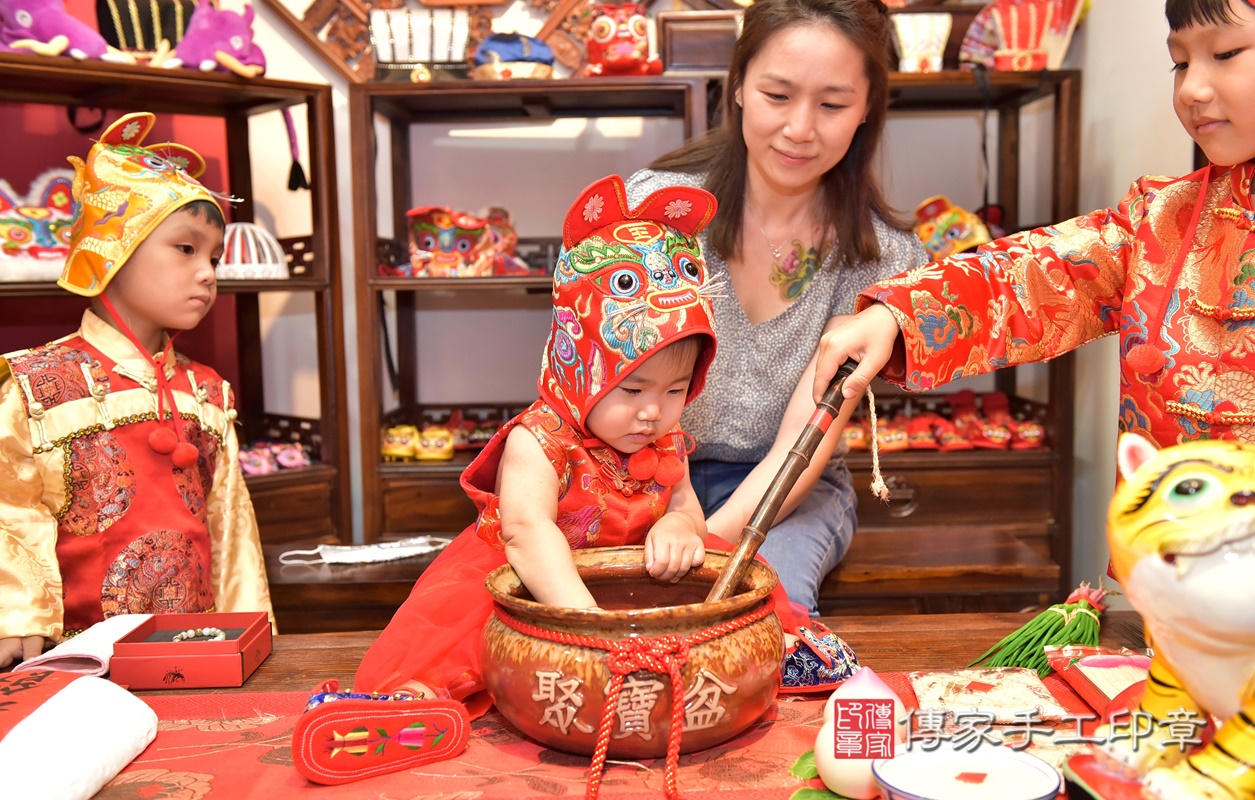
[988,773]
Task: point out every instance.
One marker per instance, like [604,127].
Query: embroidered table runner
[235,746]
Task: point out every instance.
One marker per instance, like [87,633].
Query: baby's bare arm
[534,545]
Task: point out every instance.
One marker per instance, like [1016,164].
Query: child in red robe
[120,485]
[1171,270]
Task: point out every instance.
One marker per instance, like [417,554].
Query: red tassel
[1146,360]
[643,464]
[184,455]
[163,440]
[670,470]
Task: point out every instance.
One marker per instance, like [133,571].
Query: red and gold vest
[599,503]
[132,533]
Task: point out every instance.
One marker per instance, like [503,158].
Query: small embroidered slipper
[919,432]
[1025,434]
[857,435]
[981,432]
[891,436]
[817,662]
[948,437]
[344,737]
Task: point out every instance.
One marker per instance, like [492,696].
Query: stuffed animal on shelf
[1181,528]
[35,228]
[218,40]
[618,42]
[449,244]
[503,56]
[145,30]
[435,443]
[45,28]
[398,443]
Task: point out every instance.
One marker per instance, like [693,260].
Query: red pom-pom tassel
[670,470]
[184,455]
[1146,360]
[643,464]
[163,440]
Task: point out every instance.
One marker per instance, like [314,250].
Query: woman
[803,226]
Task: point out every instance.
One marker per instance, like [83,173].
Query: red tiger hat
[628,282]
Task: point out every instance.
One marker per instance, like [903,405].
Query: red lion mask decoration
[618,42]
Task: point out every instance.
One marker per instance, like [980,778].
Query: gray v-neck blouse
[757,367]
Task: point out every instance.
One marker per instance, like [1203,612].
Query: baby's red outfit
[434,637]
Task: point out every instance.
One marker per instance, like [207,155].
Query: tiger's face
[1181,528]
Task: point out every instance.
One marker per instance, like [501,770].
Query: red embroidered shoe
[891,435]
[919,431]
[948,437]
[981,432]
[1025,434]
[344,737]
[856,435]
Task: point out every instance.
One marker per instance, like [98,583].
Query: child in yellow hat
[120,485]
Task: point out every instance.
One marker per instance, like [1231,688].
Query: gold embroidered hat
[121,193]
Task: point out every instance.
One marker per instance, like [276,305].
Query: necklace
[776,251]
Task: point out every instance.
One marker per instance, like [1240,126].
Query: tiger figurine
[1181,528]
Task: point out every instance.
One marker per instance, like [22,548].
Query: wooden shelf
[944,91]
[536,99]
[64,81]
[861,460]
[431,469]
[529,284]
[286,477]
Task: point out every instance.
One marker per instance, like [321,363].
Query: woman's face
[803,98]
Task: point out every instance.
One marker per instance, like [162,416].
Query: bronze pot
[549,668]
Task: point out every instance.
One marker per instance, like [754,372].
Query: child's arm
[31,608]
[733,515]
[1020,299]
[534,545]
[239,568]
[20,648]
[677,542]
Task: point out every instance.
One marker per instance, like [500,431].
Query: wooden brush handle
[795,463]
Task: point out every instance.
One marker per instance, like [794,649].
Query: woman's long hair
[852,193]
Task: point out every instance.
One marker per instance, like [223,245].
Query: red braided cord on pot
[659,655]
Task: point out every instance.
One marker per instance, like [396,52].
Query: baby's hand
[674,546]
[19,648]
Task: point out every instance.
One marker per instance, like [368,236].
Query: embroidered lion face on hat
[121,193]
[627,283]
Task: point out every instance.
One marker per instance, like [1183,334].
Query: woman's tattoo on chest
[796,270]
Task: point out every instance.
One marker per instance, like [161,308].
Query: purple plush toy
[46,28]
[218,40]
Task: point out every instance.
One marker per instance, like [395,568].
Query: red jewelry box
[147,658]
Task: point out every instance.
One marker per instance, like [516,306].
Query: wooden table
[886,644]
